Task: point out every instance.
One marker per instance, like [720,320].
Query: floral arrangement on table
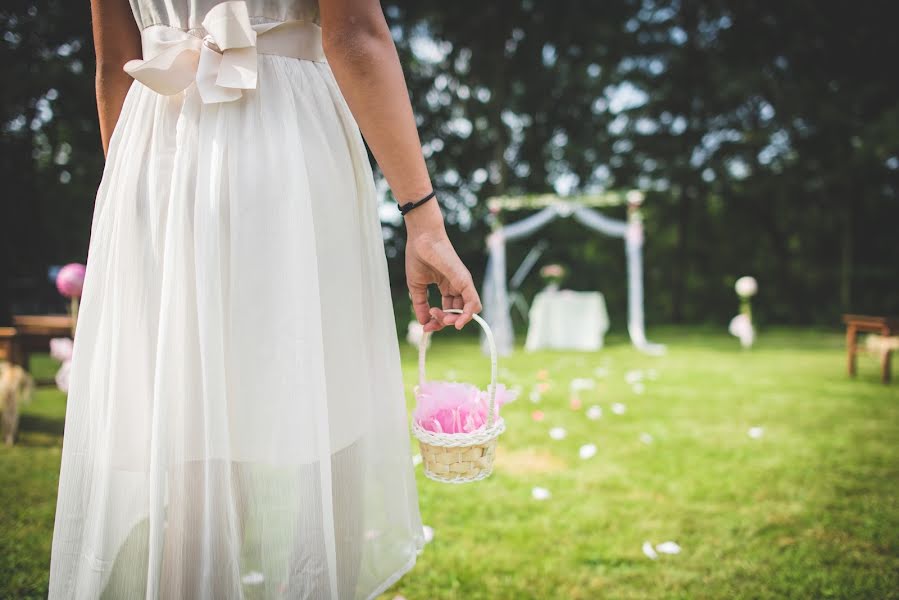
[741,325]
[553,275]
[70,283]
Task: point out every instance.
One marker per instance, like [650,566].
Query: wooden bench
[883,326]
[31,333]
[9,349]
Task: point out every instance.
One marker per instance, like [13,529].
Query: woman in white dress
[236,423]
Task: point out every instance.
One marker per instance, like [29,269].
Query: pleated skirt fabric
[236,424]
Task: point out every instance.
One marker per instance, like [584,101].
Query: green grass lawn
[807,510]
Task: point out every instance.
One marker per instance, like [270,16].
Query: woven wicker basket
[460,457]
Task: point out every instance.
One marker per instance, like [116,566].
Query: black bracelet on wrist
[405,208]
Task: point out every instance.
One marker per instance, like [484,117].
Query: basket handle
[491,391]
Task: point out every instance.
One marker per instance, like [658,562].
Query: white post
[496,298]
[633,243]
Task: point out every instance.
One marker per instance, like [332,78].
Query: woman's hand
[431,258]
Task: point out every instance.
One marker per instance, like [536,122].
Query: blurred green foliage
[766,136]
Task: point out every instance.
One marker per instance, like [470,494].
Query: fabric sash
[220,58]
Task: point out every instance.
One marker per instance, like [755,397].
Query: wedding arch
[495,297]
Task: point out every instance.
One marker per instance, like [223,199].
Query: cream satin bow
[223,63]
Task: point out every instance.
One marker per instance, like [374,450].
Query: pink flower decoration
[70,280]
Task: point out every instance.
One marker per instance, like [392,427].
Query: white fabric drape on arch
[495,295]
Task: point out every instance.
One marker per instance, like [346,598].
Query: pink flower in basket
[450,407]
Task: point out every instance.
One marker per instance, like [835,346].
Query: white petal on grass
[638,388]
[582,383]
[428,533]
[618,408]
[756,432]
[416,459]
[601,372]
[632,377]
[594,412]
[587,451]
[557,433]
[668,548]
[540,493]
[253,578]
[649,551]
[646,438]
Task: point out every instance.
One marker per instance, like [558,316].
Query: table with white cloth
[567,320]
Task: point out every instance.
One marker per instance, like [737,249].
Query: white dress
[236,423]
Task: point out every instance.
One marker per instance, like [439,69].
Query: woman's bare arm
[116,41]
[365,64]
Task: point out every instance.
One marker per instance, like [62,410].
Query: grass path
[808,510]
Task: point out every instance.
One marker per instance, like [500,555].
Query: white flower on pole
[746,287]
[741,325]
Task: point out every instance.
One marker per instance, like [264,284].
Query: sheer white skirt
[236,424]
